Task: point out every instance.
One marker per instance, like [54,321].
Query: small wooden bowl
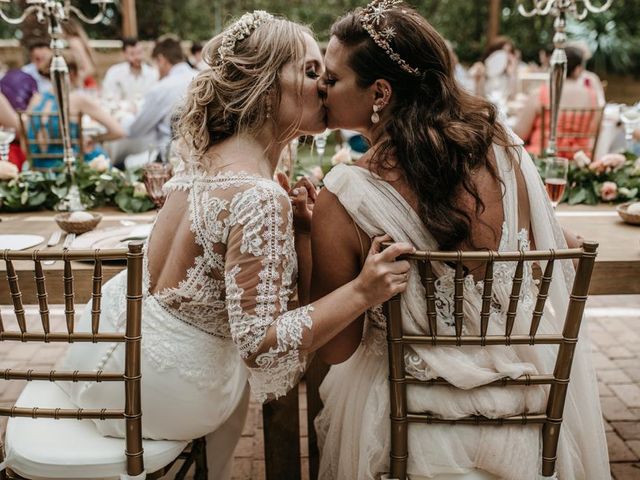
[62,219]
[631,218]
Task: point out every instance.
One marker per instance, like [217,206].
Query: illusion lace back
[220,277]
[242,278]
[355,393]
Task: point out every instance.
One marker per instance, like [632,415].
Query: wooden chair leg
[200,456]
[184,469]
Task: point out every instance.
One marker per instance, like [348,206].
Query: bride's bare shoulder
[331,223]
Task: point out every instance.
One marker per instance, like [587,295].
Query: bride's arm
[273,339]
[336,261]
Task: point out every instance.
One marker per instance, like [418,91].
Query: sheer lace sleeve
[260,280]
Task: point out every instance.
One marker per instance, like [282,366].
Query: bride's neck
[253,153]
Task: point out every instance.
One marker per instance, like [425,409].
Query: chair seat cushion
[69,448]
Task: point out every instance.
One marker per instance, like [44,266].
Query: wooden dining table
[617,271]
[617,268]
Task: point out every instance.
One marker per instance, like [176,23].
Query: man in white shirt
[131,79]
[40,55]
[153,121]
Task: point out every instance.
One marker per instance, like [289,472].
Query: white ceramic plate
[19,242]
[496,63]
[114,237]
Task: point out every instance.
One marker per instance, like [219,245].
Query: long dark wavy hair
[437,132]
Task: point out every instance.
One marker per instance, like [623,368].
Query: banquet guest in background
[131,79]
[40,55]
[196,60]
[43,127]
[78,42]
[507,79]
[576,93]
[153,121]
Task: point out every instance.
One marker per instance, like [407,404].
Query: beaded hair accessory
[240,30]
[370,19]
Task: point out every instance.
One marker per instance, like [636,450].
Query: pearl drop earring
[375,118]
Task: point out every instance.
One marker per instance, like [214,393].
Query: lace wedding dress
[353,427]
[197,334]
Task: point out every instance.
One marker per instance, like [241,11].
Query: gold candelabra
[559,9]
[55,13]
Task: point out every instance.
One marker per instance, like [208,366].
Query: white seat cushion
[69,448]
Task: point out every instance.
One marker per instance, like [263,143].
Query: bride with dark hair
[444,174]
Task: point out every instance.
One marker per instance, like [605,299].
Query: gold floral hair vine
[371,18]
[240,30]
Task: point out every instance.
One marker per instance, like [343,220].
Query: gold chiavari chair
[578,129]
[63,449]
[40,131]
[551,420]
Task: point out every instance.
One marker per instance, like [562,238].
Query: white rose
[8,171]
[100,163]
[581,159]
[139,190]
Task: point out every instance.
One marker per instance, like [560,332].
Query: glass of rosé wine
[555,178]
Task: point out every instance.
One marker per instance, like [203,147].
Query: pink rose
[342,156]
[609,191]
[8,171]
[608,162]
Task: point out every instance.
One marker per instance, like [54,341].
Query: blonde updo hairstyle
[241,92]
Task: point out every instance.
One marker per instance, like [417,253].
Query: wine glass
[555,178]
[630,116]
[7,135]
[156,173]
[320,141]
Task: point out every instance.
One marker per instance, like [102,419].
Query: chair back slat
[458,296]
[428,281]
[543,293]
[16,295]
[59,413]
[487,294]
[578,129]
[551,418]
[56,376]
[131,377]
[514,297]
[69,308]
[562,370]
[96,296]
[132,372]
[397,386]
[41,290]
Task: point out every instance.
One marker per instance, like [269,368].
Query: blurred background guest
[575,94]
[131,79]
[78,42]
[40,55]
[196,60]
[153,121]
[497,71]
[41,128]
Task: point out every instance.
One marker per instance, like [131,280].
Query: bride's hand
[383,276]
[303,197]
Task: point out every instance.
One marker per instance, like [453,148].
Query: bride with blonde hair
[221,281]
